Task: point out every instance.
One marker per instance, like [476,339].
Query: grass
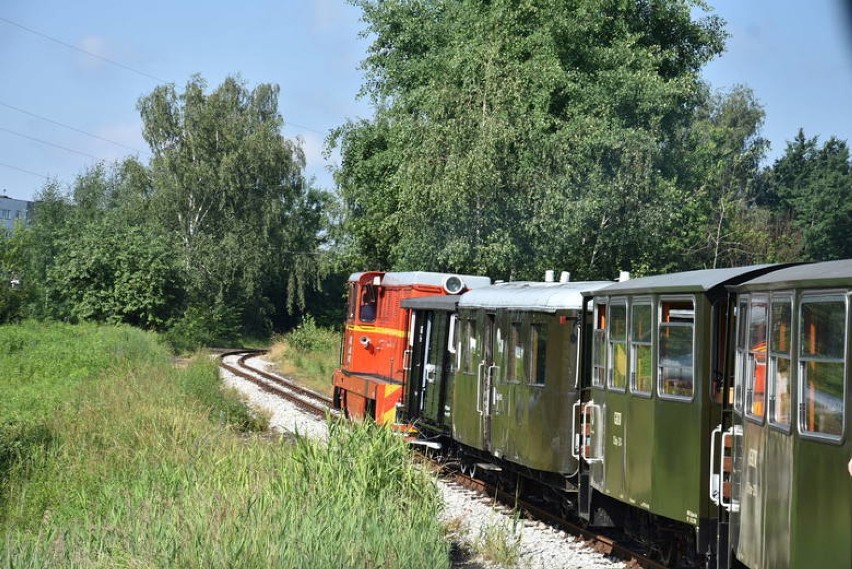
[499,544]
[308,354]
[132,462]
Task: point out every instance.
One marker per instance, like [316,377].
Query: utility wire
[22,135]
[106,60]
[69,127]
[23,170]
[81,50]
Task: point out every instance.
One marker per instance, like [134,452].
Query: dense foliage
[216,237]
[509,137]
[513,136]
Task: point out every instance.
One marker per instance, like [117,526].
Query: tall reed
[137,470]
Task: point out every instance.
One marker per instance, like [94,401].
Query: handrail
[715,479]
[479,386]
[575,437]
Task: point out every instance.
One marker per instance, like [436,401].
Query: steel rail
[305,399]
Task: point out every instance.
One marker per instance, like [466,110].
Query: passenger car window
[538,356]
[781,325]
[599,346]
[641,376]
[518,373]
[675,345]
[618,345]
[822,341]
[755,380]
[740,371]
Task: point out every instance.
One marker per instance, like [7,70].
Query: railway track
[305,399]
[320,406]
[604,544]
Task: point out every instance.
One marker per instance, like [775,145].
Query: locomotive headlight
[453,284]
[365,341]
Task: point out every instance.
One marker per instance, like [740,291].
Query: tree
[230,190]
[113,272]
[812,188]
[717,162]
[515,136]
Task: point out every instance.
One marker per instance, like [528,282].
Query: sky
[71,73]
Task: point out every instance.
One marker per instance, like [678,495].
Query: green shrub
[199,328]
[308,337]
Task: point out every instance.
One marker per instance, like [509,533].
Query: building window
[822,341]
[675,344]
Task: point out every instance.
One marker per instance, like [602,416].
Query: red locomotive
[375,351]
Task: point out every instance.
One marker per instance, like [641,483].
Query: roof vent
[565,277]
[548,276]
[623,276]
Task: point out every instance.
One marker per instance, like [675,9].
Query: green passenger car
[653,394]
[790,503]
[516,376]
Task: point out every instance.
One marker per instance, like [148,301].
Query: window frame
[740,334]
[597,381]
[812,297]
[610,368]
[631,343]
[675,298]
[751,369]
[517,329]
[771,363]
[534,345]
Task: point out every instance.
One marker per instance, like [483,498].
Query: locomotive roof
[811,275]
[702,280]
[533,296]
[445,302]
[425,278]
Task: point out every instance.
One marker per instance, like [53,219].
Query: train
[704,414]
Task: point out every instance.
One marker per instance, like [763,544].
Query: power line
[81,50]
[69,127]
[23,170]
[48,143]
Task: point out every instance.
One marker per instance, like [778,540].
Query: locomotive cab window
[538,355]
[675,341]
[352,302]
[641,376]
[822,343]
[755,369]
[369,303]
[780,337]
[599,351]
